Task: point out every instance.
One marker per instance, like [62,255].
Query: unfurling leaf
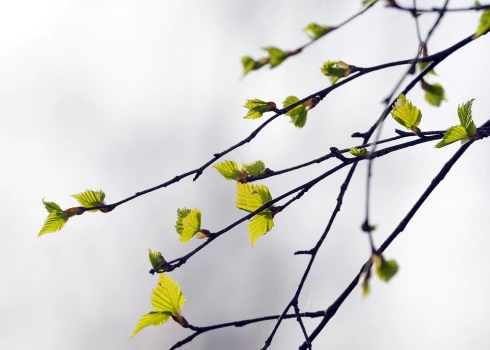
[188,223]
[299,113]
[434,94]
[385,269]
[90,198]
[276,56]
[484,25]
[406,114]
[335,70]
[368,2]
[453,134]
[463,132]
[230,170]
[57,217]
[251,198]
[315,31]
[156,259]
[254,168]
[167,300]
[358,152]
[465,115]
[256,108]
[249,64]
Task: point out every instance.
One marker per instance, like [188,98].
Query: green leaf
[254,168]
[167,300]
[453,134]
[477,4]
[335,70]
[152,318]
[368,2]
[54,222]
[156,258]
[298,114]
[358,152]
[315,31]
[248,64]
[52,207]
[366,290]
[188,223]
[259,225]
[90,198]
[251,197]
[484,24]
[466,118]
[256,108]
[386,270]
[276,55]
[229,170]
[405,113]
[434,94]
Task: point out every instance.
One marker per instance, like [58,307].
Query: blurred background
[124,95]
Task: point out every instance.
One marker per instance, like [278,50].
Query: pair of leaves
[251,198]
[406,114]
[484,25]
[256,108]
[335,70]
[167,300]
[315,31]
[434,93]
[465,131]
[189,224]
[57,217]
[230,171]
[385,270]
[299,113]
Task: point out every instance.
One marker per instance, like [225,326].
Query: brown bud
[203,234]
[180,320]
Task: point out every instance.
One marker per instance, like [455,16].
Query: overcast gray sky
[124,95]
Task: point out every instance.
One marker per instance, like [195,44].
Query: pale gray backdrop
[124,95]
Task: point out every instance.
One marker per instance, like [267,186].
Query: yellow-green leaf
[254,168]
[90,198]
[259,225]
[335,70]
[298,114]
[405,113]
[54,222]
[251,197]
[315,31]
[484,25]
[152,318]
[434,93]
[453,134]
[248,64]
[466,117]
[229,170]
[276,55]
[156,258]
[358,152]
[368,2]
[181,214]
[386,270]
[256,108]
[52,207]
[191,225]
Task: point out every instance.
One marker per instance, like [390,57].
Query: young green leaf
[386,269]
[229,170]
[256,108]
[453,134]
[254,168]
[249,64]
[477,4]
[484,24]
[335,70]
[188,223]
[260,225]
[298,114]
[276,56]
[358,152]
[434,94]
[52,207]
[156,259]
[368,2]
[315,31]
[54,222]
[423,65]
[406,114]
[252,197]
[466,117]
[90,198]
[167,300]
